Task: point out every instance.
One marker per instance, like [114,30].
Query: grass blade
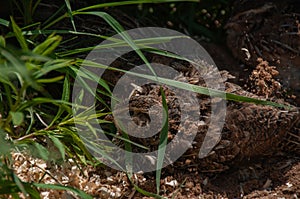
[78,141]
[123,3]
[48,46]
[19,184]
[65,97]
[52,65]
[70,14]
[17,118]
[194,88]
[119,29]
[18,33]
[63,188]
[42,100]
[4,22]
[18,66]
[2,41]
[163,138]
[59,145]
[50,80]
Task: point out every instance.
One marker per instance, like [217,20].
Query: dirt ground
[275,177]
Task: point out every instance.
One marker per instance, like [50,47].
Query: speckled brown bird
[250,131]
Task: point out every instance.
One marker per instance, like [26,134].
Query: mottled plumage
[250,130]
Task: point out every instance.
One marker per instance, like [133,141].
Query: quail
[249,131]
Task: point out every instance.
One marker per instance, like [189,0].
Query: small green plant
[29,112]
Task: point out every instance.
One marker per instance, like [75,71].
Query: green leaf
[51,80]
[70,14]
[19,184]
[2,41]
[77,141]
[163,138]
[41,151]
[194,88]
[92,76]
[4,22]
[48,46]
[120,30]
[52,65]
[14,185]
[66,89]
[35,6]
[64,188]
[17,67]
[5,145]
[41,100]
[8,187]
[141,43]
[17,118]
[123,3]
[59,145]
[65,97]
[18,33]
[146,193]
[34,194]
